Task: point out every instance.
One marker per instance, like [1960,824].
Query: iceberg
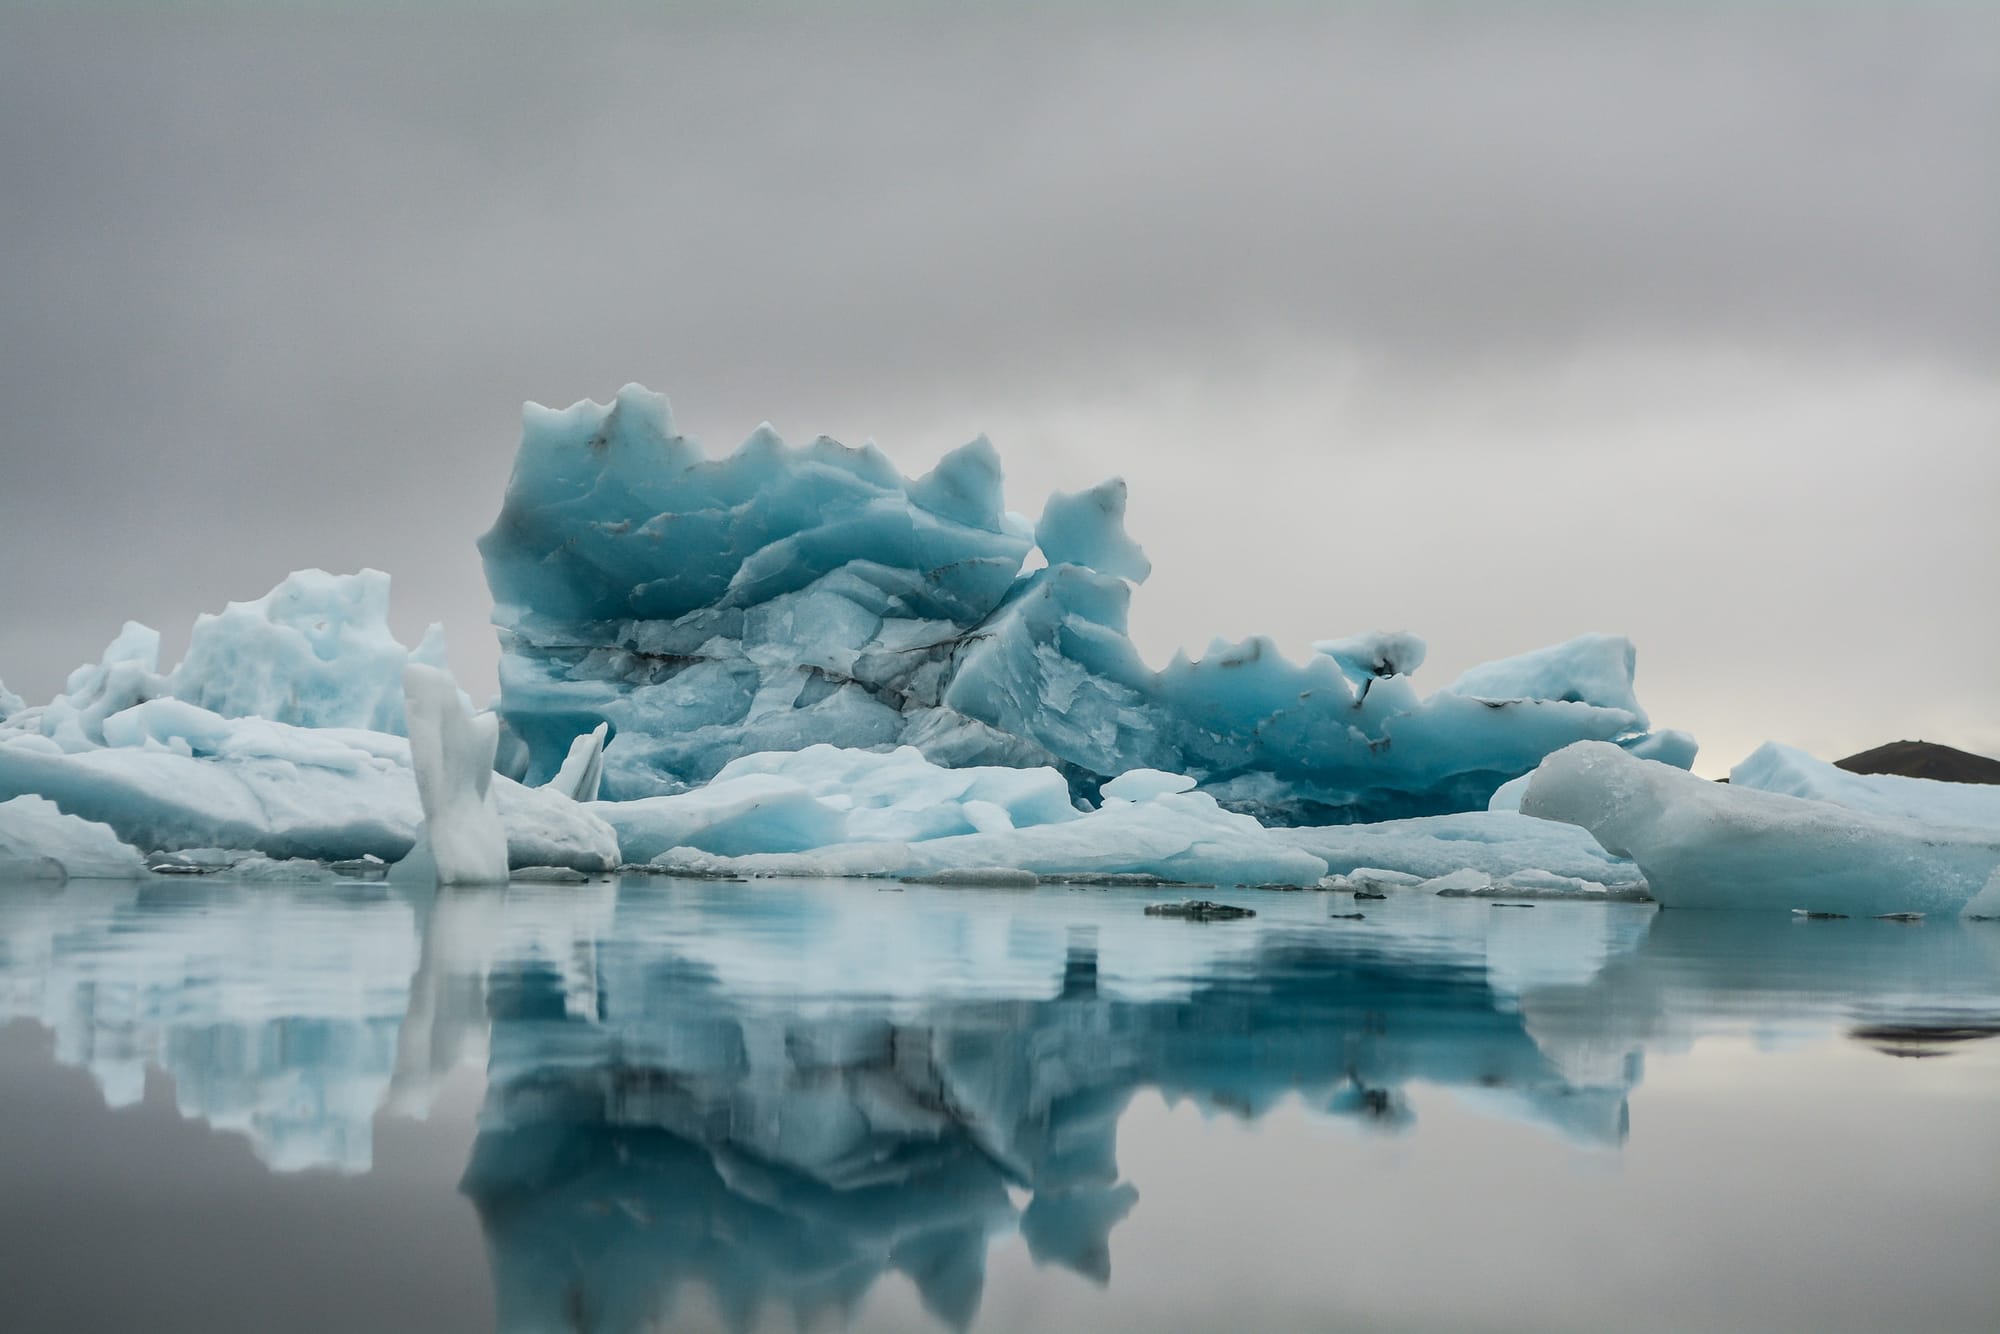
[1777,768]
[710,609]
[316,651]
[132,748]
[1714,845]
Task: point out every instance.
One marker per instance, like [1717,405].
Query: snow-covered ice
[709,609]
[1716,845]
[122,748]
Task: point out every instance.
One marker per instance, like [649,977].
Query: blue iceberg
[711,609]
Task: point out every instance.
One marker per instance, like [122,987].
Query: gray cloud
[1680,323]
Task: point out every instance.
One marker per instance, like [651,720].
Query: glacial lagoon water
[644,1103]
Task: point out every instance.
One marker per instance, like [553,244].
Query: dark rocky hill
[1924,759]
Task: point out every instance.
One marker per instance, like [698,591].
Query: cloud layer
[1501,327]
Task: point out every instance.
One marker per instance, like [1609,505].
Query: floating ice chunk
[1145,784]
[315,651]
[1590,669]
[778,597]
[38,841]
[451,751]
[1183,838]
[1714,845]
[843,812]
[1380,653]
[1497,844]
[10,703]
[1088,528]
[794,801]
[583,768]
[1775,768]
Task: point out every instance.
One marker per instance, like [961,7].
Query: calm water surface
[648,1104]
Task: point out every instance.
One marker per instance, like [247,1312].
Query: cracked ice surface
[780,596]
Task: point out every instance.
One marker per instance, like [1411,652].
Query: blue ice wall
[781,596]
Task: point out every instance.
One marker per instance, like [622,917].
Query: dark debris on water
[1199,910]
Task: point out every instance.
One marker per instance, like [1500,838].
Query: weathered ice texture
[709,609]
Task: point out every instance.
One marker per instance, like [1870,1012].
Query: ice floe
[1716,845]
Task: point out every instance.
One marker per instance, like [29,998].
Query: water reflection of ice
[786,1091]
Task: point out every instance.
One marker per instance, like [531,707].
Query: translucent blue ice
[1087,528]
[708,609]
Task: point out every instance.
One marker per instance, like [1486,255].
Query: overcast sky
[1681,324]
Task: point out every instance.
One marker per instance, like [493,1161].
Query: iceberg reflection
[777,1094]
